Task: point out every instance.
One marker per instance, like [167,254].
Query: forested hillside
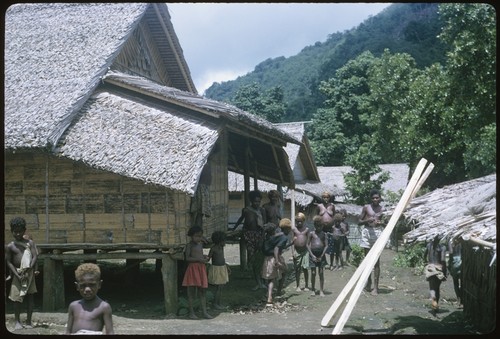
[416,81]
[408,28]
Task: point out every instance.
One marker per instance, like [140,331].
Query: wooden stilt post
[53,285]
[360,276]
[170,288]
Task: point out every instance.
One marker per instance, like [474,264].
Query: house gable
[153,51]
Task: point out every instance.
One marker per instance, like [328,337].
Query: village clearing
[401,308]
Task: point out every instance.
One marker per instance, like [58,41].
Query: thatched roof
[55,55]
[466,209]
[399,176]
[301,156]
[62,95]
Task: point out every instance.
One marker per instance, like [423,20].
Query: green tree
[336,129]
[366,174]
[389,79]
[268,104]
[470,28]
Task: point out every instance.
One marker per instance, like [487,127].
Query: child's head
[337,218]
[285,225]
[343,211]
[88,280]
[300,219]
[326,196]
[318,223]
[273,195]
[219,237]
[270,229]
[300,216]
[196,234]
[255,196]
[18,227]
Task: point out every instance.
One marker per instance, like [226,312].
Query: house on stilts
[109,152]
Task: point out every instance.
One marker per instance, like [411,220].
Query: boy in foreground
[91,314]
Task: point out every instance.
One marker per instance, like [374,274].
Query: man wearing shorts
[371,218]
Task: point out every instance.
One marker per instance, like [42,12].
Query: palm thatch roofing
[399,176]
[56,54]
[466,209]
[61,96]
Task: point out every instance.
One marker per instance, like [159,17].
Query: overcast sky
[222,41]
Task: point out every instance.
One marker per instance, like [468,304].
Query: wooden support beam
[101,256]
[169,276]
[53,285]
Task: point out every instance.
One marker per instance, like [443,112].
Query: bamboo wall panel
[90,205]
[479,282]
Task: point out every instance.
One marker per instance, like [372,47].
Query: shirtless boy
[316,245]
[91,314]
[300,253]
[21,257]
[371,218]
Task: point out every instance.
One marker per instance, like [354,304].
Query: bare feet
[321,294]
[374,291]
[306,289]
[298,289]
[18,326]
[28,326]
[313,293]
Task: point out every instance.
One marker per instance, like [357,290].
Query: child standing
[274,267]
[316,244]
[345,240]
[338,241]
[218,272]
[435,270]
[300,253]
[90,314]
[195,278]
[21,257]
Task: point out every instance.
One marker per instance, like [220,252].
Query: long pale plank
[349,286]
[376,250]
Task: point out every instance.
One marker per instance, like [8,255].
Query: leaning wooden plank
[378,247]
[422,179]
[350,284]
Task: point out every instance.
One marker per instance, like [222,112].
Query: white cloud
[225,40]
[209,76]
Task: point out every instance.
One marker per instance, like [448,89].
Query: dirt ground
[402,306]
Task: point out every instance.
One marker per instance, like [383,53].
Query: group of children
[91,314]
[311,247]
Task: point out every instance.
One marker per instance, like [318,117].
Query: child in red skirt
[195,278]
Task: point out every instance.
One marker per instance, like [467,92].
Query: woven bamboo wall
[479,286]
[87,205]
